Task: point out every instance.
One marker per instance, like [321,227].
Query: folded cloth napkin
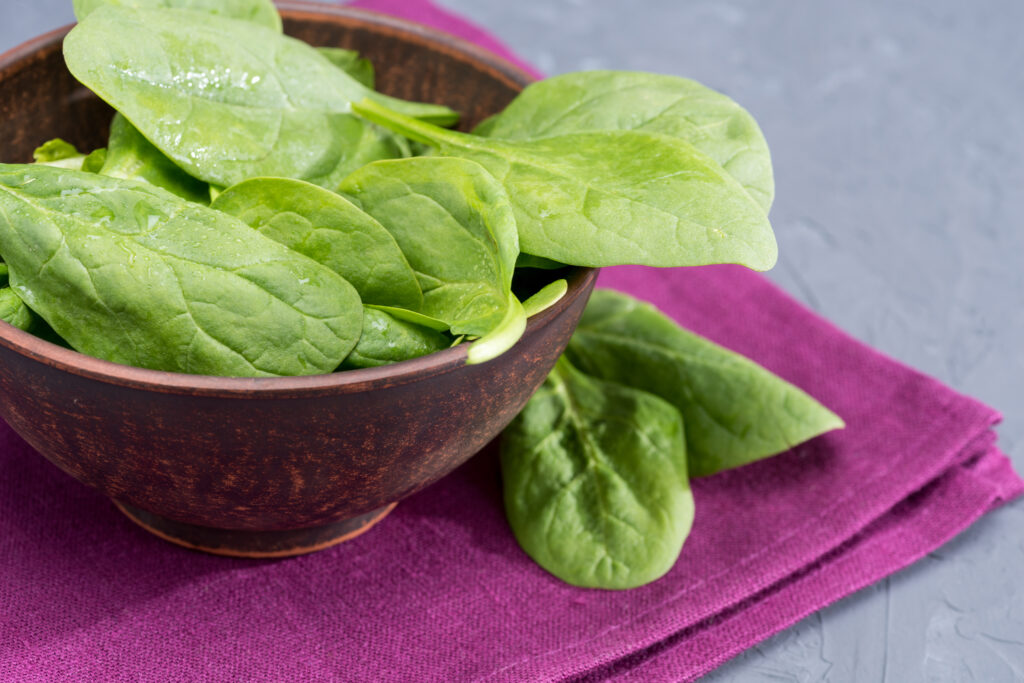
[439,591]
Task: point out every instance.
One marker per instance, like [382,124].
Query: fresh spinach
[63,154]
[349,61]
[329,229]
[413,317]
[735,411]
[614,197]
[595,481]
[260,12]
[58,152]
[14,311]
[630,100]
[131,156]
[502,336]
[531,261]
[94,160]
[454,224]
[229,100]
[131,273]
[547,297]
[387,339]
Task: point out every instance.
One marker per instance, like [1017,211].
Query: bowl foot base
[254,544]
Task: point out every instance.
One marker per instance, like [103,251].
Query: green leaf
[261,12]
[63,154]
[614,197]
[735,411]
[485,127]
[131,273]
[454,224]
[56,150]
[329,229]
[133,157]
[595,481]
[547,297]
[349,61]
[501,337]
[228,100]
[94,161]
[537,262]
[387,340]
[413,317]
[14,311]
[631,100]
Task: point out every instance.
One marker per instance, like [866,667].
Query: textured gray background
[897,131]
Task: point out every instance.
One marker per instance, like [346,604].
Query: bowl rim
[349,381]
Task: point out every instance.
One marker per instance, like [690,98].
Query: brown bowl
[271,466]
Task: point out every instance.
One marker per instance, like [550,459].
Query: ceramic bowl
[268,467]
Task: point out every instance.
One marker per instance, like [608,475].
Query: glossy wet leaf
[131,273]
[133,157]
[261,12]
[614,197]
[735,411]
[229,100]
[595,481]
[632,100]
[329,229]
[349,61]
[455,225]
[387,340]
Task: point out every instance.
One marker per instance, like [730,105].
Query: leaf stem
[501,338]
[414,129]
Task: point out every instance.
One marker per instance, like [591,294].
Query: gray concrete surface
[898,137]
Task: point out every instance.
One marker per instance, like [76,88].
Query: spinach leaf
[131,273]
[63,154]
[387,340]
[133,157]
[735,411]
[349,61]
[655,103]
[413,317]
[94,160]
[501,337]
[485,127]
[229,100]
[454,224]
[608,198]
[595,481]
[545,298]
[329,229]
[538,262]
[57,150]
[14,311]
[260,12]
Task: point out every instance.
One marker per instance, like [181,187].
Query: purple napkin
[439,591]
